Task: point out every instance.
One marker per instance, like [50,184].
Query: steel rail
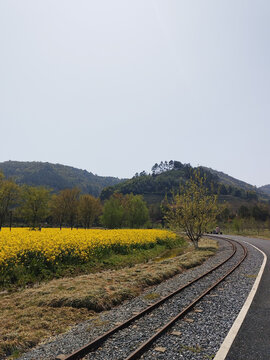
[93,345]
[147,344]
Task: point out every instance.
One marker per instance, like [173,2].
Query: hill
[263,192]
[265,189]
[231,181]
[167,176]
[56,176]
[164,178]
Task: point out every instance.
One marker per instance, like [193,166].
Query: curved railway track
[224,269]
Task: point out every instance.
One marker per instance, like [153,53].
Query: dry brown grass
[32,315]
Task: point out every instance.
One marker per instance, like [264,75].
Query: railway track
[179,303]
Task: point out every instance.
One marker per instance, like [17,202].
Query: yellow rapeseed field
[54,245]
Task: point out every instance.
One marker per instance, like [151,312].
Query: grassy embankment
[257,233]
[263,234]
[30,315]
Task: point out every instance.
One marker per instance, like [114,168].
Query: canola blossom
[54,245]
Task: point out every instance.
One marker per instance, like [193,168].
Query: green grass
[194,349]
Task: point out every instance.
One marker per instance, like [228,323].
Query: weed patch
[152,296]
[194,349]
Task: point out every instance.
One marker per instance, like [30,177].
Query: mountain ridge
[230,180]
[265,188]
[166,177]
[227,179]
[56,176]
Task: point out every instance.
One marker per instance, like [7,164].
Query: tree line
[255,216]
[36,206]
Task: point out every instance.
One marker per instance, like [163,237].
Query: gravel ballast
[198,336]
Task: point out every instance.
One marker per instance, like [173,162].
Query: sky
[115,86]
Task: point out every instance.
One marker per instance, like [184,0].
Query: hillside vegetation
[265,189]
[231,181]
[56,176]
[167,176]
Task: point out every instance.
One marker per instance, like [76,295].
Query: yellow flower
[56,245]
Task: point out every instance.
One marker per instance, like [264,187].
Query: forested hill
[167,176]
[55,176]
[265,189]
[229,180]
[164,177]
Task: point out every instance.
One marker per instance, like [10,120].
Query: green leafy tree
[193,209]
[223,190]
[224,214]
[9,193]
[113,212]
[34,204]
[57,209]
[89,209]
[125,211]
[244,212]
[238,224]
[136,211]
[156,214]
[260,212]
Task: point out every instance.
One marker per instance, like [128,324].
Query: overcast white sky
[115,86]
